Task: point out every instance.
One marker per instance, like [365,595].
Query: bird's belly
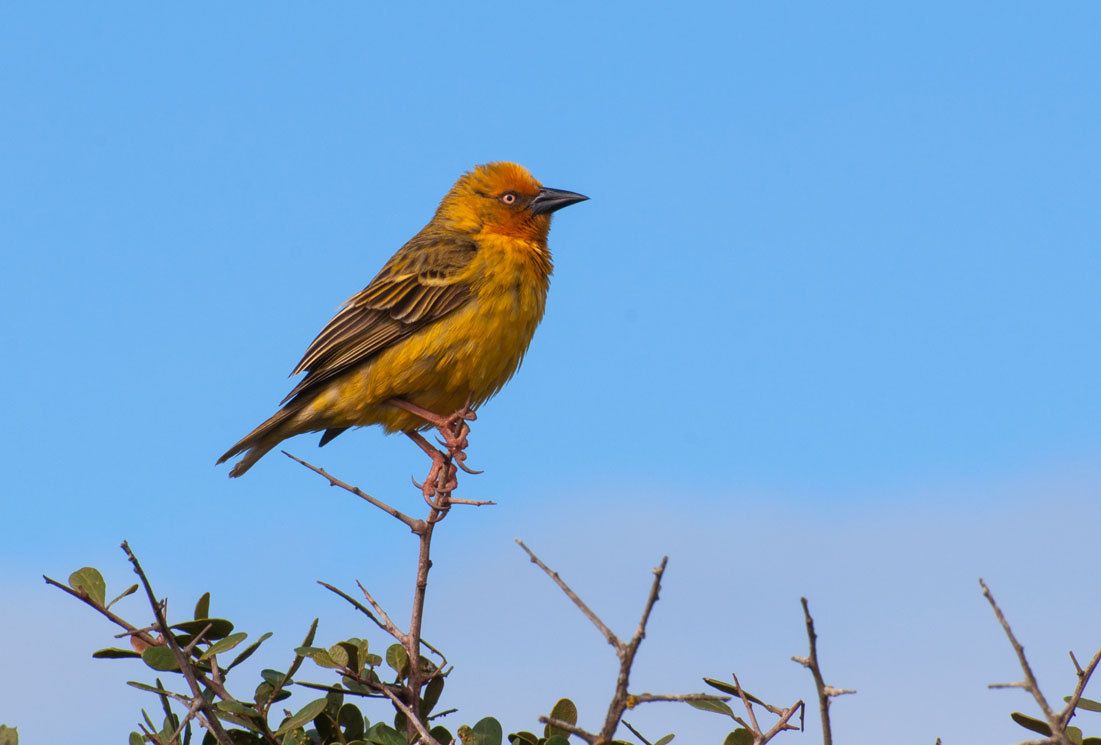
[470,353]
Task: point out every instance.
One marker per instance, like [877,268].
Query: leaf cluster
[1074,733]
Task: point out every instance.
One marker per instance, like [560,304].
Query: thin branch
[131,630]
[573,729]
[338,689]
[611,637]
[417,526]
[409,715]
[825,692]
[1058,729]
[1083,679]
[636,733]
[626,653]
[183,661]
[645,698]
[782,724]
[748,706]
[390,627]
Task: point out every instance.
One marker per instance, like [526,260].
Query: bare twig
[183,660]
[625,651]
[474,502]
[133,631]
[573,729]
[417,526]
[1056,722]
[611,637]
[1083,679]
[825,692]
[645,698]
[390,627]
[636,733]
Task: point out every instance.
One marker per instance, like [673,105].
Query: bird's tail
[262,439]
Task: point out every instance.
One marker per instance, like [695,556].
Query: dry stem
[1057,722]
[825,692]
[625,651]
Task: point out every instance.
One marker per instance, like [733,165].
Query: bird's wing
[420,284]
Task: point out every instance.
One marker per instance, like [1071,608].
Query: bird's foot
[453,429]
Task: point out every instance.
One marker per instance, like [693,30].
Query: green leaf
[432,693]
[135,739]
[398,660]
[740,736]
[1075,735]
[202,608]
[1092,741]
[8,735]
[295,737]
[1031,724]
[248,651]
[339,655]
[274,676]
[336,699]
[322,658]
[718,707]
[488,732]
[89,583]
[264,693]
[304,716]
[146,687]
[219,628]
[236,707]
[113,653]
[299,659]
[382,734]
[556,740]
[351,721]
[159,658]
[128,591]
[523,738]
[665,740]
[441,734]
[564,710]
[351,655]
[733,690]
[308,641]
[224,645]
[1084,703]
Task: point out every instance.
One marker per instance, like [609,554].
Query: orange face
[504,198]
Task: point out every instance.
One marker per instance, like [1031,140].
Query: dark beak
[552,200]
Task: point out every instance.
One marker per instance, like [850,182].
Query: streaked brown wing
[419,284]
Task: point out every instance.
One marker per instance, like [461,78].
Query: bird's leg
[431,486]
[453,429]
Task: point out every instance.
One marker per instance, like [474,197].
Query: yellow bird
[440,329]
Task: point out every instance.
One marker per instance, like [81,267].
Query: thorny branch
[436,491]
[183,658]
[625,651]
[1057,722]
[825,692]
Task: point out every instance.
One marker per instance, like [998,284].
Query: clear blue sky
[828,327]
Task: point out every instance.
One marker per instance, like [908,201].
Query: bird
[440,329]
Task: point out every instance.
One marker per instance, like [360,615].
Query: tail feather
[260,440]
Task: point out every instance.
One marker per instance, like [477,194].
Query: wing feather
[421,283]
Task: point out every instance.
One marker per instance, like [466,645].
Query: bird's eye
[508,198]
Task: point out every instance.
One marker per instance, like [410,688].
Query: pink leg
[453,429]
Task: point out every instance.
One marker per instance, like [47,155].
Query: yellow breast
[471,352]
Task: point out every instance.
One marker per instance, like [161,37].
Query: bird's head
[503,198]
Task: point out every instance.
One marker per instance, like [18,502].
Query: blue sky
[827,327]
